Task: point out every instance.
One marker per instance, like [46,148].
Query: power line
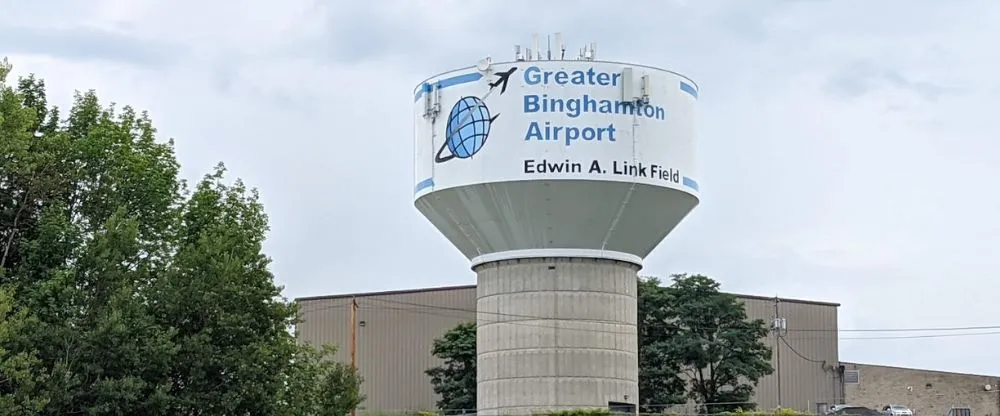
[427,312]
[925,329]
[498,314]
[423,309]
[968,334]
[519,323]
[794,351]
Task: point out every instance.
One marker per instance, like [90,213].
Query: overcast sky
[844,146]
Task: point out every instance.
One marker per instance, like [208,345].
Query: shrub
[578,412]
[781,411]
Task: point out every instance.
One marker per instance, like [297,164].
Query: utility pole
[354,340]
[776,327]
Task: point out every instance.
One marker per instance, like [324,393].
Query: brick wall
[928,393]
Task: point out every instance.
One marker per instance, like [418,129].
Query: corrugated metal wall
[809,360]
[394,345]
[399,328]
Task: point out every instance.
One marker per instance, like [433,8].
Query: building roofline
[385,293]
[924,370]
[461,287]
[786,300]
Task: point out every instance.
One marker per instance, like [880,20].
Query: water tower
[555,176]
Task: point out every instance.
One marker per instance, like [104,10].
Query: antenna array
[534,53]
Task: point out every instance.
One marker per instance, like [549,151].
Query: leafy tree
[716,346]
[231,323]
[659,372]
[340,390]
[142,298]
[455,380]
[20,373]
[321,387]
[86,203]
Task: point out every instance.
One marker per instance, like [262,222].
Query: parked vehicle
[896,410]
[854,411]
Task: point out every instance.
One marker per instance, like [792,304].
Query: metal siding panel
[812,332]
[326,321]
[394,346]
[810,335]
[765,393]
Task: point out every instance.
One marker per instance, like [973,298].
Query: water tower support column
[556,333]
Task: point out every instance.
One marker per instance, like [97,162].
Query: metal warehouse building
[396,330]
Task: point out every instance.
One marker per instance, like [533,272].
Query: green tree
[20,373]
[232,325]
[86,204]
[659,372]
[717,347]
[320,386]
[455,380]
[142,298]
[340,390]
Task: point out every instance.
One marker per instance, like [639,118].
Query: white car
[897,410]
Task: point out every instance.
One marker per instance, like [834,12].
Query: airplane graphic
[502,79]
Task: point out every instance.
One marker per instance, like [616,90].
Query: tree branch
[701,385]
[13,227]
[712,377]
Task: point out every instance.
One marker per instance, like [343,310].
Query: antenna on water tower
[560,47]
[537,51]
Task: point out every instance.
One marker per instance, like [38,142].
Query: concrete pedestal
[555,334]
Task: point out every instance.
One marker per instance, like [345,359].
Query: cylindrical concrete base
[556,334]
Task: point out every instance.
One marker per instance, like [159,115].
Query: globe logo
[468,128]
